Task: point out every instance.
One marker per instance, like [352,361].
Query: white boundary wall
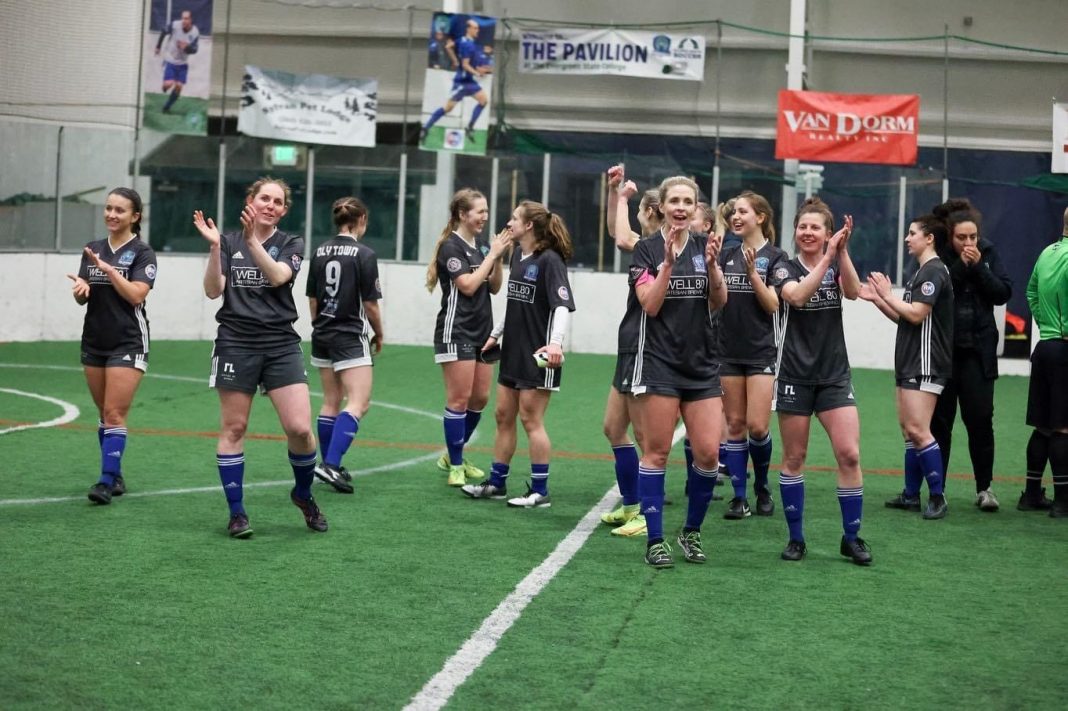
[36,305]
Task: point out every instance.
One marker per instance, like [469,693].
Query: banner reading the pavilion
[655,55]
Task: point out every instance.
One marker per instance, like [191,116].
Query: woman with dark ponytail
[923,358]
[531,335]
[980,283]
[114,279]
[467,269]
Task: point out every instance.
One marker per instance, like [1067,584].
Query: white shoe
[986,501]
[485,491]
[532,500]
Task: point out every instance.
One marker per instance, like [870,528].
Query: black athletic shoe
[738,508]
[1034,503]
[904,502]
[765,504]
[658,555]
[1058,510]
[469,133]
[690,542]
[239,526]
[100,493]
[312,515]
[795,550]
[936,507]
[856,549]
[119,487]
[345,473]
[333,476]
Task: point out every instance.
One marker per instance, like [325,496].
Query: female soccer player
[923,360]
[114,279]
[467,270]
[343,294]
[814,374]
[534,325]
[256,345]
[979,283]
[678,282]
[747,350]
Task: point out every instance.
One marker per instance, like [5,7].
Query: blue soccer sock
[499,474]
[760,452]
[434,118]
[931,465]
[539,478]
[474,115]
[455,429]
[303,473]
[737,458]
[851,501]
[913,471]
[699,495]
[232,475]
[111,451]
[325,427]
[792,491]
[471,420]
[100,439]
[651,492]
[627,472]
[345,430]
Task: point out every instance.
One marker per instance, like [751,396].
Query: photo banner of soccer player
[459,82]
[309,108]
[176,72]
[615,52]
[1059,164]
[848,128]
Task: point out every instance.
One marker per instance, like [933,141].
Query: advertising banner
[309,108]
[176,72]
[848,128]
[1060,139]
[619,52]
[459,83]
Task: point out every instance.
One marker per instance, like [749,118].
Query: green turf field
[188,115]
[148,604]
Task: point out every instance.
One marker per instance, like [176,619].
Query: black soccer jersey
[462,319]
[112,324]
[537,285]
[675,347]
[344,275]
[629,325]
[925,350]
[254,315]
[813,350]
[747,332]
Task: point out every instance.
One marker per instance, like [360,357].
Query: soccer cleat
[456,476]
[312,515]
[469,133]
[485,490]
[239,526]
[690,543]
[904,502]
[795,550]
[737,509]
[443,463]
[857,550]
[332,475]
[119,487]
[986,501]
[1034,503]
[765,505]
[619,517]
[100,493]
[1058,510]
[633,527]
[658,555]
[936,507]
[473,472]
[345,473]
[531,500]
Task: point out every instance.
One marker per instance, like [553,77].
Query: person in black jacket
[979,283]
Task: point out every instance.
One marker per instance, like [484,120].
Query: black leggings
[976,395]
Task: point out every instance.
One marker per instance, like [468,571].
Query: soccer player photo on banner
[459,79]
[176,75]
[1059,163]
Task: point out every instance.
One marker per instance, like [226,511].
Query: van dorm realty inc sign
[622,53]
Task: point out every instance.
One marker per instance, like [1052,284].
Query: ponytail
[550,232]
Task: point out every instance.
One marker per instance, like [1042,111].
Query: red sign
[848,128]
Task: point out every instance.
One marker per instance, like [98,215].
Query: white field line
[70,411]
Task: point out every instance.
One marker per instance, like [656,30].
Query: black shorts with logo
[1047,403]
[802,399]
[710,390]
[624,372]
[116,360]
[925,385]
[244,371]
[728,369]
[350,354]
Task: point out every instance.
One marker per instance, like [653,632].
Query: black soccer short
[450,352]
[624,372]
[1047,404]
[746,369]
[116,360]
[244,372]
[550,381]
[801,399]
[710,390]
[926,385]
[352,354]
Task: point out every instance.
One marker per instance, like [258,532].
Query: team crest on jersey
[828,277]
[699,264]
[296,260]
[126,259]
[563,293]
[273,252]
[927,289]
[150,271]
[531,274]
[762,264]
[454,264]
[781,273]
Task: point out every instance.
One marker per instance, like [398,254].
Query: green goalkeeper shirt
[1047,291]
